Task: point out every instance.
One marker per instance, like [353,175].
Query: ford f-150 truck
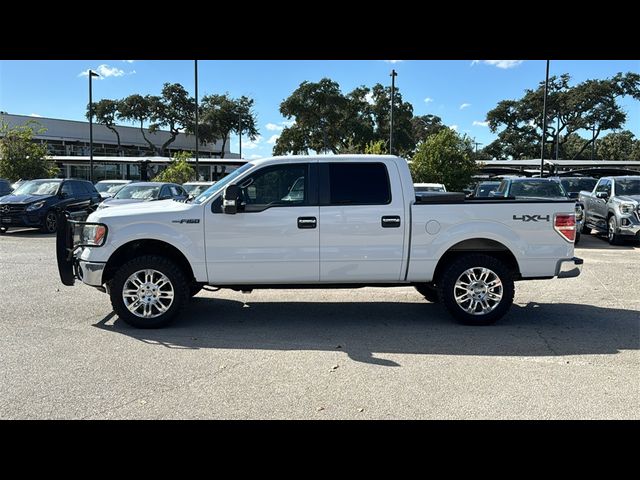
[613,207]
[319,222]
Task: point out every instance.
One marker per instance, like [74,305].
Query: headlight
[35,206]
[579,213]
[627,208]
[94,235]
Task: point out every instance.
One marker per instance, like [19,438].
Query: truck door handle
[307,222]
[390,221]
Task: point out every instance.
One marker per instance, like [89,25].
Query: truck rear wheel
[429,292]
[149,291]
[477,289]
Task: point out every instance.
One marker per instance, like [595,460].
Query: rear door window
[359,184]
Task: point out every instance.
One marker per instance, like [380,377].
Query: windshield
[484,189]
[195,190]
[109,187]
[38,187]
[220,184]
[138,192]
[628,186]
[578,184]
[536,189]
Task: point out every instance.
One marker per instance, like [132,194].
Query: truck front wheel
[148,291]
[477,289]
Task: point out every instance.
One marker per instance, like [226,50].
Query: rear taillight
[565,225]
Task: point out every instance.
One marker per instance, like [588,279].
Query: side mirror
[602,195]
[231,200]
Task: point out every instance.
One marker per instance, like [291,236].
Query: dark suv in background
[35,203]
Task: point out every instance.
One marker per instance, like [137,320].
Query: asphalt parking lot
[569,349]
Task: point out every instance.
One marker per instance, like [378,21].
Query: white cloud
[454,127]
[106,71]
[465,105]
[273,127]
[288,123]
[272,140]
[251,144]
[504,64]
[35,115]
[254,157]
[128,61]
[477,123]
[428,100]
[369,98]
[394,61]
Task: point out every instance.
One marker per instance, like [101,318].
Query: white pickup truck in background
[319,222]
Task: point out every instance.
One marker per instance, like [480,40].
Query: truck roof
[345,157]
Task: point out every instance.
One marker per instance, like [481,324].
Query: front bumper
[90,272]
[21,220]
[628,226]
[569,268]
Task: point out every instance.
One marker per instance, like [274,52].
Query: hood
[114,202]
[629,198]
[159,208]
[24,198]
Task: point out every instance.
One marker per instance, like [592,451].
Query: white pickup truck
[319,222]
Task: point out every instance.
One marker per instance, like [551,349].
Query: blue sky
[461,92]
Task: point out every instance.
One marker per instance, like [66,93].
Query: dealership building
[68,145]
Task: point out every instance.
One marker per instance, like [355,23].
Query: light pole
[558,136]
[240,131]
[393,75]
[477,143]
[593,142]
[544,121]
[91,75]
[195,74]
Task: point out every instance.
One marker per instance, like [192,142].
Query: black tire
[577,238]
[50,224]
[612,236]
[429,292]
[447,289]
[194,289]
[167,267]
[586,230]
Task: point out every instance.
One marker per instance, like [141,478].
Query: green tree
[221,115]
[178,171]
[445,157]
[616,146]
[591,105]
[319,109]
[635,152]
[377,148]
[105,112]
[174,110]
[424,126]
[136,108]
[20,156]
[403,138]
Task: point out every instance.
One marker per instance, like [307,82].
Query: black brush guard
[69,227]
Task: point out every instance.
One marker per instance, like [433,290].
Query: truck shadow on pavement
[365,330]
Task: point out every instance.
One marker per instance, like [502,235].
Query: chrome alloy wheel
[148,293]
[478,291]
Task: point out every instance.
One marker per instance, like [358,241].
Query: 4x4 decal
[532,218]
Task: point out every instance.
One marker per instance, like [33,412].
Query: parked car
[194,189]
[613,207]
[356,222]
[483,189]
[429,187]
[5,187]
[17,183]
[530,188]
[574,185]
[108,188]
[145,192]
[35,202]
